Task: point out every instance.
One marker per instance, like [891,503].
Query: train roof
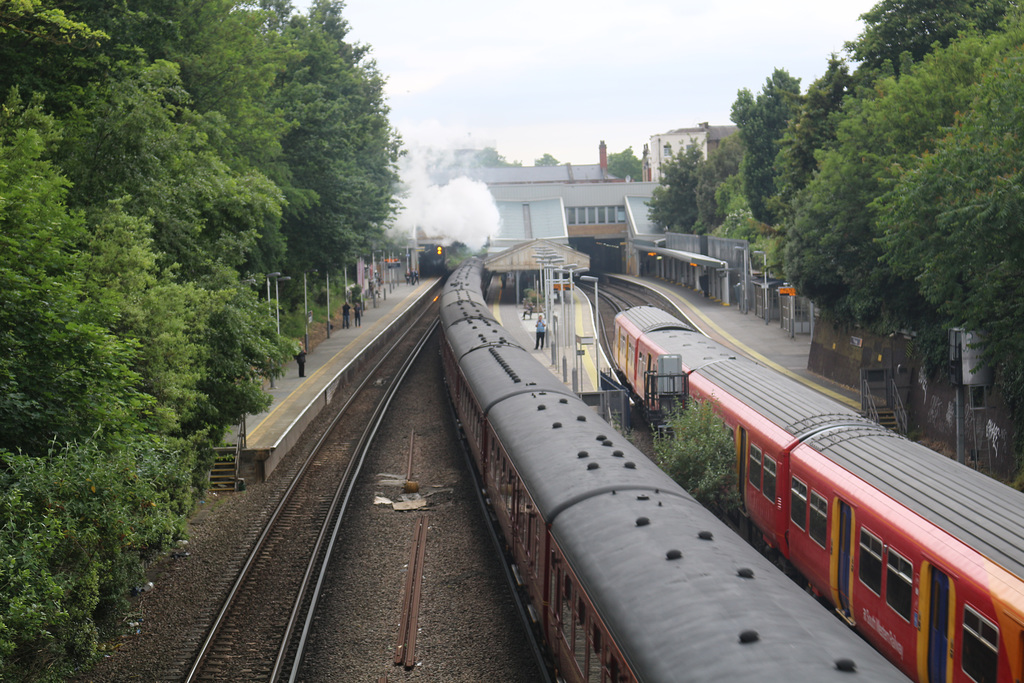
[686,620]
[455,306]
[796,408]
[565,452]
[468,334]
[499,372]
[650,318]
[979,511]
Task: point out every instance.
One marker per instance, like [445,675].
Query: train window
[579,643]
[981,647]
[871,561]
[899,583]
[768,486]
[798,503]
[819,519]
[754,468]
[594,661]
[566,613]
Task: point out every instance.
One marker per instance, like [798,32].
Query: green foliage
[673,203]
[488,157]
[75,523]
[625,164]
[762,122]
[953,219]
[721,165]
[699,456]
[833,254]
[546,160]
[898,33]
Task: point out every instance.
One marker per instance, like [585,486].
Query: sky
[535,77]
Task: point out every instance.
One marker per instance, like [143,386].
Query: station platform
[270,435]
[768,344]
[558,356]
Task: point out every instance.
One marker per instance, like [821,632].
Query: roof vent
[583,454]
[749,637]
[542,407]
[847,665]
[557,425]
[745,573]
[617,454]
[630,465]
[706,536]
[581,418]
[674,554]
[592,465]
[601,437]
[642,521]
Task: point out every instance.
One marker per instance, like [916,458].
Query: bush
[700,456]
[76,526]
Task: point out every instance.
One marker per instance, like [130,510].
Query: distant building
[664,146]
[526,175]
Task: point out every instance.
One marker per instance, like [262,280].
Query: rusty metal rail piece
[405,650]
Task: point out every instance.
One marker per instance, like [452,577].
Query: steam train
[628,577]
[922,555]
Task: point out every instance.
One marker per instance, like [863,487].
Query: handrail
[867,400]
[898,408]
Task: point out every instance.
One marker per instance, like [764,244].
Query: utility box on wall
[965,364]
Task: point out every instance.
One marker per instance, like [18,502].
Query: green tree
[488,157]
[625,164]
[762,122]
[810,131]
[894,28]
[952,222]
[699,456]
[546,160]
[832,253]
[673,203]
[341,151]
[722,164]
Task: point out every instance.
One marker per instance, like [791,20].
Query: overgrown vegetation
[156,164]
[699,456]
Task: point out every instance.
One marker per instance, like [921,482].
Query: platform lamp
[597,329]
[277,296]
[306,313]
[269,305]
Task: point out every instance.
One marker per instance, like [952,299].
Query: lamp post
[270,308]
[597,330]
[766,311]
[277,296]
[305,312]
[569,271]
[327,274]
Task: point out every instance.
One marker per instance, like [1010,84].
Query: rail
[898,409]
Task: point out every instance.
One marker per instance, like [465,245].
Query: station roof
[524,256]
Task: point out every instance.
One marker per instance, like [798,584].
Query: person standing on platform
[542,328]
[300,358]
[358,313]
[344,314]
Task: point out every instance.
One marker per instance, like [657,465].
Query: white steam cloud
[441,202]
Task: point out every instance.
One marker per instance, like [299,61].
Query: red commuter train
[924,556]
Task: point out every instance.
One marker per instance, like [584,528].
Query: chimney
[604,158]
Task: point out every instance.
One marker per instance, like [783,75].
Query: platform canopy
[529,256]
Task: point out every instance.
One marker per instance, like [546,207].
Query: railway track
[261,627]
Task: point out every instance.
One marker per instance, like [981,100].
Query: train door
[742,441]
[937,626]
[844,564]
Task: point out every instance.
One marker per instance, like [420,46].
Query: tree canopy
[154,159]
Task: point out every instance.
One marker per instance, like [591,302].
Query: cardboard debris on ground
[410,501]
